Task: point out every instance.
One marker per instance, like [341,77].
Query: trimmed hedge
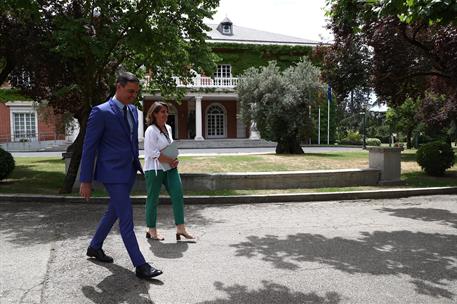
[7,164]
[435,157]
[352,138]
[373,142]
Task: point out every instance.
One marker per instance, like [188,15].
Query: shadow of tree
[51,161]
[120,287]
[271,293]
[26,224]
[408,157]
[445,217]
[429,259]
[420,179]
[27,179]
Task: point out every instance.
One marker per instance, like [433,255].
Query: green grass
[45,175]
[420,179]
[42,175]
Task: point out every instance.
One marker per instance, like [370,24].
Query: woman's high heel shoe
[149,236]
[185,235]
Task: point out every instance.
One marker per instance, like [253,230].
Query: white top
[154,142]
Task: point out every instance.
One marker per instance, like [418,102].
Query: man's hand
[85,190]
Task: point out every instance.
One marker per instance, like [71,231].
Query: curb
[246,199]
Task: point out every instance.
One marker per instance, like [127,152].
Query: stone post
[388,161]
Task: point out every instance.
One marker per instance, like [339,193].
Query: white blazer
[154,142]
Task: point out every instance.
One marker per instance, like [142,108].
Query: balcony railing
[204,82]
[208,82]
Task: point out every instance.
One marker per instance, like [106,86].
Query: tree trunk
[289,146]
[408,139]
[76,148]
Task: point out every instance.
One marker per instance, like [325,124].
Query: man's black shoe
[99,255]
[146,271]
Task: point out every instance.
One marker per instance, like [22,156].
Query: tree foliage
[411,45]
[278,102]
[404,119]
[74,49]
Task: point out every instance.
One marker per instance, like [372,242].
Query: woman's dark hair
[155,108]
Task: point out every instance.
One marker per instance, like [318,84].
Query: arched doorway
[216,121]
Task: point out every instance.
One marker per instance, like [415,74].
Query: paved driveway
[372,251]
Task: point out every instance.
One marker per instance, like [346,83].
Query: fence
[29,141]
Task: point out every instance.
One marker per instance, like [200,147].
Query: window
[223,71]
[226,29]
[24,125]
[215,121]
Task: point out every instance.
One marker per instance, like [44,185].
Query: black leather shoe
[99,255]
[146,271]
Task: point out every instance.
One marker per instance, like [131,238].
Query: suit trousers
[120,207]
[172,182]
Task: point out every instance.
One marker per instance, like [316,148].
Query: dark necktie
[125,115]
[126,119]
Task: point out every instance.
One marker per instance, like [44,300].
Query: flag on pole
[329,101]
[329,93]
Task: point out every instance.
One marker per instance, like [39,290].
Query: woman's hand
[174,163]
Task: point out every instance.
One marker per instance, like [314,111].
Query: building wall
[47,125]
[47,122]
[183,114]
[5,124]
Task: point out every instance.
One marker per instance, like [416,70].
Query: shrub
[353,138]
[373,142]
[6,164]
[435,157]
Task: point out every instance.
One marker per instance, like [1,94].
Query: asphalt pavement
[360,251]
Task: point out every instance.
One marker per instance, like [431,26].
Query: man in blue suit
[112,140]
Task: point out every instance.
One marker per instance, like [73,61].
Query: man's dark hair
[124,77]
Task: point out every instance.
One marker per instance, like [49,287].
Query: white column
[140,124]
[254,133]
[198,118]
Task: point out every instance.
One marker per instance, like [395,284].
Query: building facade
[24,121]
[210,108]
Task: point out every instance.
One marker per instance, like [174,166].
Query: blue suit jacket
[108,141]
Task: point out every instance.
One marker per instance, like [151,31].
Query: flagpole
[329,100]
[319,126]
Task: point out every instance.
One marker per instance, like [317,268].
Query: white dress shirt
[154,142]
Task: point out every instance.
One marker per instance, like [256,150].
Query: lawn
[45,175]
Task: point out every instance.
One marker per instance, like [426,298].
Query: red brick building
[23,121]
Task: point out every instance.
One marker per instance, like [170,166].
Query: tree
[412,47]
[278,102]
[81,44]
[404,119]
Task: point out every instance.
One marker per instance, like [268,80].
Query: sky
[296,18]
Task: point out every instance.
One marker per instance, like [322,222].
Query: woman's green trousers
[172,182]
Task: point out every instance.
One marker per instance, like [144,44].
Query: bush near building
[7,164]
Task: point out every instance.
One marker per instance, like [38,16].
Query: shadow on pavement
[429,259]
[120,287]
[27,224]
[443,216]
[168,250]
[271,293]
